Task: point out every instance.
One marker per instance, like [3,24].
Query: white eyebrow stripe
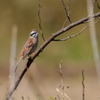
[33,32]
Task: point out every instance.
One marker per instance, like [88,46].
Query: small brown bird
[29,47]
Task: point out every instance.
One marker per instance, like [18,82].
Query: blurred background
[76,54]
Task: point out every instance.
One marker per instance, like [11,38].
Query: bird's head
[33,34]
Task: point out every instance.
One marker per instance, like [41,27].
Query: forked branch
[69,37]
[61,88]
[97,4]
[66,9]
[39,18]
[83,29]
[47,42]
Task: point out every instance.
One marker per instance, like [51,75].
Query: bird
[29,47]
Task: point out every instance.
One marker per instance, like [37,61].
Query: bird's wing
[24,52]
[27,48]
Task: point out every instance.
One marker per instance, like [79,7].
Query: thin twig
[98,4]
[83,85]
[31,59]
[64,24]
[66,9]
[64,95]
[89,20]
[62,82]
[96,1]
[39,18]
[69,37]
[61,75]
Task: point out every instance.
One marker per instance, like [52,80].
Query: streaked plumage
[29,47]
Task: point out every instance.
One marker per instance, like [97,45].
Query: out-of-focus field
[42,79]
[42,82]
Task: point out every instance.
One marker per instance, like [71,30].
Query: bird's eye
[31,34]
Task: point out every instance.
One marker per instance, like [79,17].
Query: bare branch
[39,17]
[66,11]
[89,20]
[47,42]
[98,4]
[57,89]
[61,75]
[83,85]
[63,94]
[64,24]
[96,1]
[69,37]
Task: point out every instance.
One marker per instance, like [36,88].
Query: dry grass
[41,84]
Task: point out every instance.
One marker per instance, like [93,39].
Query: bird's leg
[29,59]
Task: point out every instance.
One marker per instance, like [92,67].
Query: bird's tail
[16,66]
